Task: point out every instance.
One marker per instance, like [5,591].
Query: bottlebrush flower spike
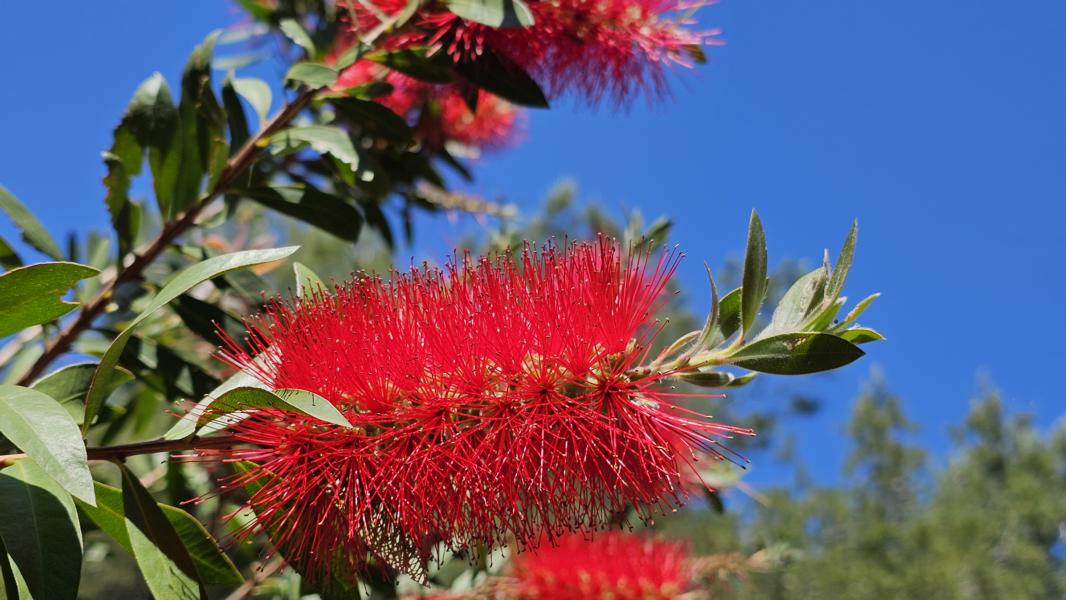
[595,48]
[621,566]
[496,400]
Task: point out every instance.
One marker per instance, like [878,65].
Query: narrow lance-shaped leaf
[297,34]
[69,384]
[307,281]
[43,429]
[39,526]
[754,283]
[9,259]
[33,233]
[187,425]
[415,63]
[235,117]
[256,92]
[245,399]
[307,203]
[180,284]
[199,146]
[728,317]
[33,294]
[854,313]
[10,588]
[797,303]
[796,354]
[322,138]
[211,563]
[312,75]
[165,563]
[504,78]
[861,335]
[707,334]
[840,270]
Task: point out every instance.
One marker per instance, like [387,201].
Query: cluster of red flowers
[614,565]
[593,48]
[494,401]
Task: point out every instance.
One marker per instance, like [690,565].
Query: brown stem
[240,162]
[259,576]
[122,451]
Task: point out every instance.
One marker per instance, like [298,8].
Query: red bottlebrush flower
[594,48]
[621,566]
[495,400]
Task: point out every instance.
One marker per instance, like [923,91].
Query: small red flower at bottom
[620,566]
[495,401]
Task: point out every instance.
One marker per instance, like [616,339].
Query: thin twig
[258,576]
[235,167]
[122,451]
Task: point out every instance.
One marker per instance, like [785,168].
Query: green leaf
[203,318]
[199,147]
[861,335]
[187,425]
[822,320]
[312,75]
[236,120]
[742,380]
[43,429]
[709,379]
[40,531]
[33,294]
[754,283]
[297,34]
[415,63]
[307,281]
[9,578]
[796,354]
[840,270]
[855,312]
[244,399]
[494,13]
[68,386]
[165,563]
[501,76]
[375,118]
[324,139]
[33,233]
[256,92]
[149,123]
[707,334]
[180,284]
[728,318]
[796,305]
[9,259]
[211,563]
[152,120]
[305,202]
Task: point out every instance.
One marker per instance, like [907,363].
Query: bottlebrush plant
[361,430]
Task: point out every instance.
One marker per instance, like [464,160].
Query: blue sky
[940,125]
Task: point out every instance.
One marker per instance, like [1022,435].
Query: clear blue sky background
[940,125]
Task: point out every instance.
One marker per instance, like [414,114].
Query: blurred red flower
[620,566]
